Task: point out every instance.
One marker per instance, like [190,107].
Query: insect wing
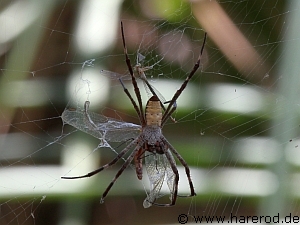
[156,173]
[106,128]
[115,76]
[158,169]
[170,173]
[150,89]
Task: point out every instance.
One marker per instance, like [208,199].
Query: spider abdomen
[153,112]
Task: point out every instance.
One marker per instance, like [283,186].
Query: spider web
[237,122]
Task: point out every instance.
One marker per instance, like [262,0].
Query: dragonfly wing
[155,168]
[104,127]
[140,58]
[115,76]
[170,174]
[118,131]
[150,89]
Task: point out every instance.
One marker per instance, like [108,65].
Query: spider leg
[132,101]
[134,83]
[186,167]
[151,89]
[138,162]
[121,170]
[168,115]
[120,155]
[183,162]
[184,84]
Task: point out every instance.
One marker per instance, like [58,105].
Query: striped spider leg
[150,141]
[139,72]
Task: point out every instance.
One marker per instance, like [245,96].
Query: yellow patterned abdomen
[153,112]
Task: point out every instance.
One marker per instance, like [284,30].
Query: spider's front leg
[168,114]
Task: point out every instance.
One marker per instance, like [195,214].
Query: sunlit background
[237,121]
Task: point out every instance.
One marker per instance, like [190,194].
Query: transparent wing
[137,68]
[154,164]
[158,169]
[170,174]
[115,76]
[103,127]
[139,73]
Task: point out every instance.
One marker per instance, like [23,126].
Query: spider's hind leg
[185,165]
[124,166]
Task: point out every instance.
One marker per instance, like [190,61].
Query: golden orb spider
[148,141]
